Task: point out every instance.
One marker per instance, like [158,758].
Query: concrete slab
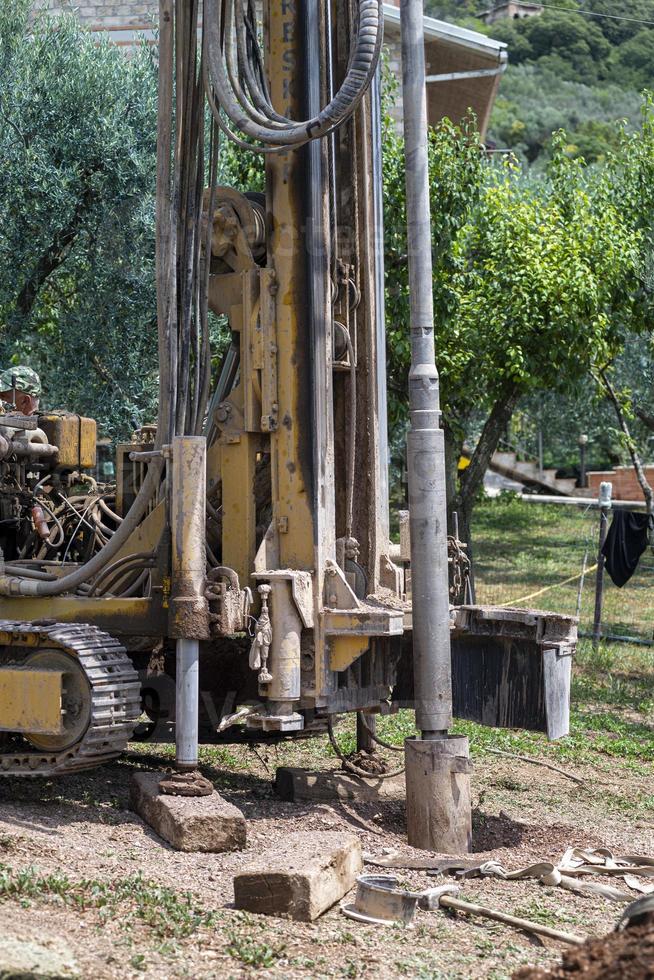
[22,959]
[304,784]
[204,823]
[301,878]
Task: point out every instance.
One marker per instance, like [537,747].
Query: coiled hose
[235,72]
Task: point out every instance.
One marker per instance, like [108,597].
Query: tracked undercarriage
[99,699]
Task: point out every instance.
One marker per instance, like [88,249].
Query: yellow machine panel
[75,437]
[30,700]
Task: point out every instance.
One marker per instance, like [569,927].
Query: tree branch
[633,452]
[54,256]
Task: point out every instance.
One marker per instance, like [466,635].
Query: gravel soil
[627,955]
[115,867]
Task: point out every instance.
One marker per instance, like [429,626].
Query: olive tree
[77,156]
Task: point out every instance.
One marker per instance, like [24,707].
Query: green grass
[168,913]
[250,952]
[521,548]
[518,549]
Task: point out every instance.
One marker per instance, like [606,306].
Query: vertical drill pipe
[189,609]
[425,445]
[318,242]
[380,312]
[318,258]
[285,662]
[187,703]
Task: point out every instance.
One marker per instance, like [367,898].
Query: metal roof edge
[451,34]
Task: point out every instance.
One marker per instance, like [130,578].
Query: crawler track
[114,693]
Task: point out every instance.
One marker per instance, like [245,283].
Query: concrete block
[302,784]
[300,878]
[197,823]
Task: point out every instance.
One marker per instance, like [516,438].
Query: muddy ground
[83,875]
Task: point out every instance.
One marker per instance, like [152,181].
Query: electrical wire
[586,13]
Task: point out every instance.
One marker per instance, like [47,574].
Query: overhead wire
[585,13]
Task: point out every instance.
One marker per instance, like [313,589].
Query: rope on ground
[537,762]
[548,588]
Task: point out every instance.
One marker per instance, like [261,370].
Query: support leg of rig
[189,613]
[437,780]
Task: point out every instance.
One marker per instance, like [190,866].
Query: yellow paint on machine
[30,700]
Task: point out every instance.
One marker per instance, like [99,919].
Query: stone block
[301,877]
[293,785]
[197,823]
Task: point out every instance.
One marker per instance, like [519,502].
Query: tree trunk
[50,259]
[472,478]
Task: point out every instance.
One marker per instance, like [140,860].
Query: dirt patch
[627,955]
[125,913]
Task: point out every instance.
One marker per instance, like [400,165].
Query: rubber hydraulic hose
[15,586]
[362,68]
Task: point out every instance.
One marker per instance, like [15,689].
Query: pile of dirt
[626,955]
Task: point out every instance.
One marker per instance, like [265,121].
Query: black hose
[375,737]
[254,114]
[350,766]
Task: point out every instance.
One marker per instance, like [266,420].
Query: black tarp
[625,543]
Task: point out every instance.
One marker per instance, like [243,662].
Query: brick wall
[124,15]
[623,478]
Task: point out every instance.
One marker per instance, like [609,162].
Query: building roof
[463,69]
[451,34]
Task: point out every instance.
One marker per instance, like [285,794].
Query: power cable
[586,13]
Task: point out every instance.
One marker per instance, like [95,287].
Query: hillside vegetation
[580,71]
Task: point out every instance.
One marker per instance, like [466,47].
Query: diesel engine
[51,508]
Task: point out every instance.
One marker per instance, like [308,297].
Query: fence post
[605,492]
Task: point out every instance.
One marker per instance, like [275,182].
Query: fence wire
[545,557]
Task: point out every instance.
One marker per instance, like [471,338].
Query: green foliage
[572,45]
[618,31]
[534,280]
[632,61]
[457,176]
[77,151]
[534,101]
[169,914]
[574,72]
[259,955]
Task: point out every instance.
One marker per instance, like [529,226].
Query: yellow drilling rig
[238,581]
